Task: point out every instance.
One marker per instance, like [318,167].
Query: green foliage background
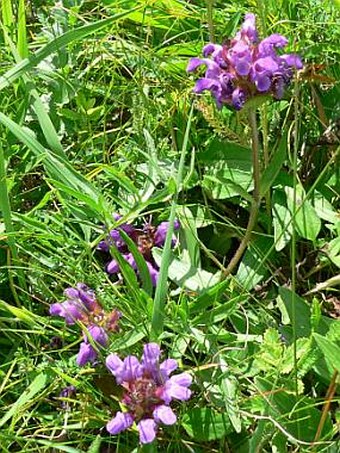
[95,107]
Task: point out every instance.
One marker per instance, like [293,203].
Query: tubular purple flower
[149,389]
[86,354]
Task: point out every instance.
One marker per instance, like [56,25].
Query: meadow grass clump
[169,230]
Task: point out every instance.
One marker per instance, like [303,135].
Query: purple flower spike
[149,389]
[83,306]
[244,68]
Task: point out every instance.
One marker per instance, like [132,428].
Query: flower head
[145,237]
[81,305]
[149,390]
[244,67]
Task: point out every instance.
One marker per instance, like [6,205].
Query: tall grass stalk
[158,314]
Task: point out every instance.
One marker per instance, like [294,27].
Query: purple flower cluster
[145,238]
[82,305]
[149,390]
[245,67]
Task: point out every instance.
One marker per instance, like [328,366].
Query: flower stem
[210,20]
[5,208]
[256,196]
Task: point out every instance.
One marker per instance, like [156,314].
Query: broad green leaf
[205,424]
[283,227]
[333,250]
[187,276]
[302,315]
[330,349]
[324,209]
[270,173]
[308,223]
[230,391]
[252,269]
[189,234]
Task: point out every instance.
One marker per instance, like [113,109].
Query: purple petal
[112,267]
[266,64]
[263,83]
[87,296]
[119,423]
[160,234]
[98,334]
[132,369]
[267,45]
[165,415]
[86,354]
[238,98]
[168,366]
[103,246]
[71,293]
[70,310]
[176,387]
[150,357]
[183,379]
[116,366]
[147,430]
[211,48]
[292,60]
[194,63]
[130,260]
[242,67]
[248,28]
[207,84]
[154,273]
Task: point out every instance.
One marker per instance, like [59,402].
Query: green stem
[256,196]
[210,4]
[158,314]
[293,242]
[264,122]
[5,208]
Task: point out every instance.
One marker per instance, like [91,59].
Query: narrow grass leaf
[56,45]
[25,398]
